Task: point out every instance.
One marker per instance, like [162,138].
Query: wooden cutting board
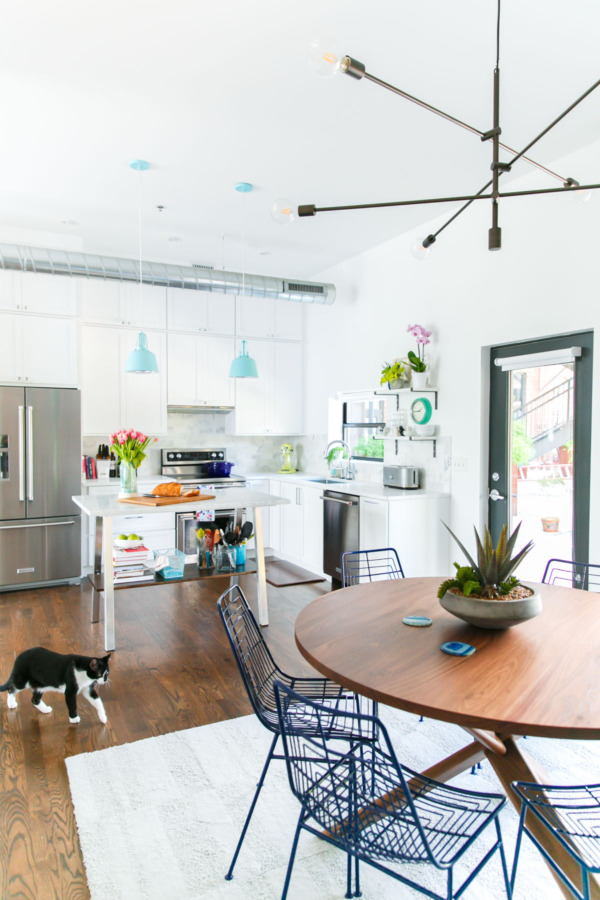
[165,501]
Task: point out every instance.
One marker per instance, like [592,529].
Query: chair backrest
[568,573]
[257,667]
[340,781]
[360,566]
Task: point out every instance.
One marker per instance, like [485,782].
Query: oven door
[186,524]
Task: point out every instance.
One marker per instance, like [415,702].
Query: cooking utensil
[246,531]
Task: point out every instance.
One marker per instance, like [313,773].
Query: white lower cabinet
[262,485]
[273,402]
[417,533]
[38,350]
[297,527]
[112,398]
[373,524]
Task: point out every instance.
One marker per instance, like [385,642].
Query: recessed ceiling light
[264,252]
[70,222]
[174,239]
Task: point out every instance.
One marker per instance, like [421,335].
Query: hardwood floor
[173,669]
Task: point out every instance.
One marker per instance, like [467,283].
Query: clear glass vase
[128,475]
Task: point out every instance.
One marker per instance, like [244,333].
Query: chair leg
[507,882]
[288,874]
[518,846]
[357,890]
[348,893]
[229,875]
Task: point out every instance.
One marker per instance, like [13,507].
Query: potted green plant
[486,593]
[395,374]
[550,523]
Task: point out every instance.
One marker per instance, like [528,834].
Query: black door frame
[499,411]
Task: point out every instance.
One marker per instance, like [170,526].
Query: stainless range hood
[199,409]
[215,281]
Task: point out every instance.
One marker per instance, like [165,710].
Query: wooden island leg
[109,588]
[261,575]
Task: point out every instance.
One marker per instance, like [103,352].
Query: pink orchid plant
[129,446]
[422,337]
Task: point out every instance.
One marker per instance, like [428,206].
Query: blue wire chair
[259,672]
[568,573]
[572,815]
[360,566]
[374,809]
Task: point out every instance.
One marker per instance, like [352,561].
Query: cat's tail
[5,686]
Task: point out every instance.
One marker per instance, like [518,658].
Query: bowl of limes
[128,541]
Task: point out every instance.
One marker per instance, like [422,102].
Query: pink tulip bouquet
[422,337]
[129,446]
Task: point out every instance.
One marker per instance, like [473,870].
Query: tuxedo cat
[43,670]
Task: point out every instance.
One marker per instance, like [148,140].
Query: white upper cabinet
[199,311]
[266,317]
[273,402]
[38,350]
[199,370]
[120,303]
[112,398]
[53,295]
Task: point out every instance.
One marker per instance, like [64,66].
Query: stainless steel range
[192,467]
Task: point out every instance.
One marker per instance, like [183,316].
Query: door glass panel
[541,455]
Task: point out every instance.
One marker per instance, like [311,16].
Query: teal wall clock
[420,411]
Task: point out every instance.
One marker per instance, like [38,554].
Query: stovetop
[188,467]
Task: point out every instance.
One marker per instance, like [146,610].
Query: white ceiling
[212,92]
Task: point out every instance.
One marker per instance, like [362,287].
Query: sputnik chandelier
[326,62]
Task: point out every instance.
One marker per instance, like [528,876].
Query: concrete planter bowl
[493,613]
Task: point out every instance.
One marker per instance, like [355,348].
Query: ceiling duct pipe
[215,281]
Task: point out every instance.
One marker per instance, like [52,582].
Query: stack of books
[129,565]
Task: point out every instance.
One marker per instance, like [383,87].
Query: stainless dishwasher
[340,531]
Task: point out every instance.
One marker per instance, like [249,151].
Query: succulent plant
[491,576]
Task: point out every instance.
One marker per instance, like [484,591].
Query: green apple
[122,537]
[133,537]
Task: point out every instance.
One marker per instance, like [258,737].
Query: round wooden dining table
[540,678]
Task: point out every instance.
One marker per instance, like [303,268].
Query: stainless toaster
[406,477]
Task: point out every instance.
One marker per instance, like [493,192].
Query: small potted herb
[486,593]
[395,374]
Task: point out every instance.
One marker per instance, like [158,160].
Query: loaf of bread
[192,492]
[169,489]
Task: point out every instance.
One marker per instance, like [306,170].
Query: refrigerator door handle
[40,525]
[21,454]
[30,452]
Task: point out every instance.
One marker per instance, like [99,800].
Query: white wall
[544,281]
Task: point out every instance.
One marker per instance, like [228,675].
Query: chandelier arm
[555,122]
[465,125]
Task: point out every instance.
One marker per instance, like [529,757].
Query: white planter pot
[419,380]
[493,613]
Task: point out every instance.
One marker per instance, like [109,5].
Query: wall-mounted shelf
[411,437]
[409,390]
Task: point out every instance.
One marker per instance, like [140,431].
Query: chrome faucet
[350,467]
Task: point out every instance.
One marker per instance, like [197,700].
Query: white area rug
[159,819]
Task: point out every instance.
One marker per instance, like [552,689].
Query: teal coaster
[417,621]
[457,648]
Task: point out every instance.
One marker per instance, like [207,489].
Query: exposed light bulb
[283,212]
[419,251]
[583,196]
[325,57]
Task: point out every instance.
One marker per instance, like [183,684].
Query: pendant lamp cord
[498,38]
[140,234]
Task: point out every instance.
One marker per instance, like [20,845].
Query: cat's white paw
[102,717]
[11,701]
[75,720]
[43,708]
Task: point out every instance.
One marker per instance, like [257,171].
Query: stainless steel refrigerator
[40,470]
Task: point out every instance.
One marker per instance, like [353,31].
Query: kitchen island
[103,508]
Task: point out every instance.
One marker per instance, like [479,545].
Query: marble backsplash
[254,454]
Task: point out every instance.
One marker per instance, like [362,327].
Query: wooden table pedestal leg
[515,765]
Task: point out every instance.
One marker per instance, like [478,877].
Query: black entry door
[540,446]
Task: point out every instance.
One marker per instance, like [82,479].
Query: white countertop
[371,489]
[104,505]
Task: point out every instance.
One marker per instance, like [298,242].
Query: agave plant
[492,575]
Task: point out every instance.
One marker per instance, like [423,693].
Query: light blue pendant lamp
[141,360]
[243,366]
